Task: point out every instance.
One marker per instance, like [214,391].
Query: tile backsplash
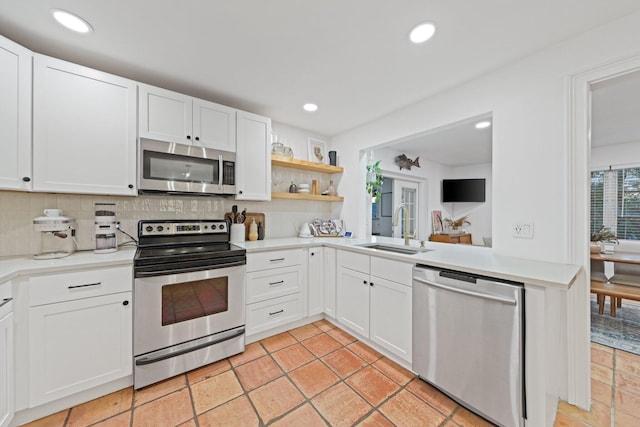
[17,210]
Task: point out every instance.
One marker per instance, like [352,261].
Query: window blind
[615,202]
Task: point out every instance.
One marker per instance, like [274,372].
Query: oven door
[177,308]
[181,168]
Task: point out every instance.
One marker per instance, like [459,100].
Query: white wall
[479,213]
[529,101]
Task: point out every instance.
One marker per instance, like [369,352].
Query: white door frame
[422,221]
[578,191]
[397,197]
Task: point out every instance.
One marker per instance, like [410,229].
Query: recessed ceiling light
[422,32]
[482,125]
[310,107]
[71,21]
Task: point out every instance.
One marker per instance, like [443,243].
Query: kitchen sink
[408,250]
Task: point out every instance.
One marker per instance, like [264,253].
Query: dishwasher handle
[467,292]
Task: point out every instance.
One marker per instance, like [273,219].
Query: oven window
[190,300]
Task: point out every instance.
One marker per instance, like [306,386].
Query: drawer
[267,284]
[265,315]
[395,271]
[354,261]
[274,259]
[51,288]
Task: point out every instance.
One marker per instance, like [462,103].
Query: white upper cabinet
[174,117]
[84,129]
[253,157]
[15,116]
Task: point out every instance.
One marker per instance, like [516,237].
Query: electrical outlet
[523,230]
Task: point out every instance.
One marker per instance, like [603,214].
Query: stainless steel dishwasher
[468,340]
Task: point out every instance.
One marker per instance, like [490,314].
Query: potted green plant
[603,235]
[374,181]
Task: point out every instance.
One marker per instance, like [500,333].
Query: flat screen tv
[463,190]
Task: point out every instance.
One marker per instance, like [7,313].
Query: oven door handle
[169,355]
[140,274]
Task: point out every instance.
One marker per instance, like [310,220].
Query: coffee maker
[106,228]
[57,234]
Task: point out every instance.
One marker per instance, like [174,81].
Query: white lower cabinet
[374,300]
[275,293]
[7,384]
[80,336]
[315,280]
[330,278]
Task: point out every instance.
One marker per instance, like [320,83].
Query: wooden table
[615,291]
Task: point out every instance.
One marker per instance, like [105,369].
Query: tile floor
[615,392]
[315,375]
[318,375]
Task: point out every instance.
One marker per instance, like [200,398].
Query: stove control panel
[176,228]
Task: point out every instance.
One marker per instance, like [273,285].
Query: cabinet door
[165,115]
[330,276]
[353,300]
[316,280]
[84,130]
[7,388]
[253,157]
[214,125]
[77,345]
[15,116]
[391,316]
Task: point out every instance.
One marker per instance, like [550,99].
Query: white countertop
[11,267]
[472,259]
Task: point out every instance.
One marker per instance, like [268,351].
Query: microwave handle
[220,171]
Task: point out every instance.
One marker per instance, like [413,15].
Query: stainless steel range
[189,298]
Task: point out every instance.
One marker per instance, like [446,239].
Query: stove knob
[213,226]
[159,228]
[149,229]
[221,227]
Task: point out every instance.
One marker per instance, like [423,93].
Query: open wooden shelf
[304,165]
[302,196]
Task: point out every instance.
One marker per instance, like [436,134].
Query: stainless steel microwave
[179,168]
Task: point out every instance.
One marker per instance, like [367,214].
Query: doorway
[578,208]
[405,193]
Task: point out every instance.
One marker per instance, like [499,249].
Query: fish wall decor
[404,162]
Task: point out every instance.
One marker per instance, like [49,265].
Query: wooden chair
[598,277]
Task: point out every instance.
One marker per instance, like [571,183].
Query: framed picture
[318,151]
[436,217]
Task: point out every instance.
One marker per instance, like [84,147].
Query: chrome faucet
[407,236]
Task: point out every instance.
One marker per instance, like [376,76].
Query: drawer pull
[5,301]
[84,286]
[276,312]
[276,283]
[276,259]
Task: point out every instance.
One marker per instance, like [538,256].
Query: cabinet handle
[5,301]
[130,186]
[371,284]
[26,179]
[189,137]
[276,312]
[197,138]
[84,286]
[125,302]
[240,192]
[364,282]
[276,283]
[276,259]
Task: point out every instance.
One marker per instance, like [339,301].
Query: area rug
[621,332]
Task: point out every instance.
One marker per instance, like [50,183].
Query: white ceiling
[457,144]
[269,57]
[615,111]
